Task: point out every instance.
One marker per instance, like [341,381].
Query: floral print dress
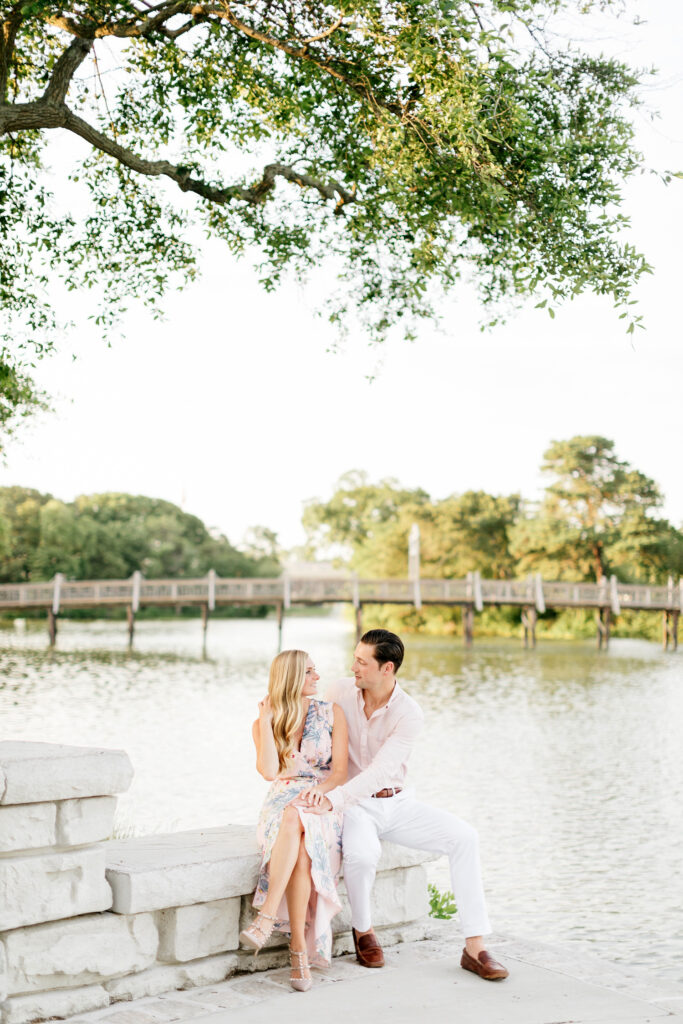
[322,832]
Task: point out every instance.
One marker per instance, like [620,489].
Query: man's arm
[385,765]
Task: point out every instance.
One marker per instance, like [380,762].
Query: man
[383,723]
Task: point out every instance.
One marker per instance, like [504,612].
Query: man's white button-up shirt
[379,746]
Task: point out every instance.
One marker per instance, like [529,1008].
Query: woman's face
[311,680]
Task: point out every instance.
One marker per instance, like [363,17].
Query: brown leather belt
[386,792]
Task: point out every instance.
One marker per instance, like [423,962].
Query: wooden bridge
[533,595]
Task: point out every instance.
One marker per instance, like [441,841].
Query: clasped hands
[313,800]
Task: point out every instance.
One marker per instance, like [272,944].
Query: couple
[308,748]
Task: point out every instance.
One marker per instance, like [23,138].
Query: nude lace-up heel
[256,935]
[297,979]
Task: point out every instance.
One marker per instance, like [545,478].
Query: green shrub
[441,904]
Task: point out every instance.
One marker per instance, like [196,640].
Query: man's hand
[313,800]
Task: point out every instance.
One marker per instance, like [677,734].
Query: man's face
[366,668]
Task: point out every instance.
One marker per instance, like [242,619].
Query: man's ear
[388,668]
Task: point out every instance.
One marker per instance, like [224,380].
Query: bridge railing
[211,590]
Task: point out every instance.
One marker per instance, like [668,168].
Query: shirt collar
[394,696]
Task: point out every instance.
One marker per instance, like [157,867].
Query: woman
[301,747]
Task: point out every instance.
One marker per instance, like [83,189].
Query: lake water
[567,760]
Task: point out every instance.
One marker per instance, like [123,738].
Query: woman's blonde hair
[286,681]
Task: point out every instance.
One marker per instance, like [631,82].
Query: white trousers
[404,820]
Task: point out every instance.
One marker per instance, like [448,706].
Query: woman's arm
[267,761]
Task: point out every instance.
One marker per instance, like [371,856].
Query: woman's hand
[311,797]
[265,711]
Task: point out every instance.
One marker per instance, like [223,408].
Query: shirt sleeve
[385,765]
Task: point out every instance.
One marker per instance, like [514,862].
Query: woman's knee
[291,820]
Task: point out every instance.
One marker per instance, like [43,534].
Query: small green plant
[441,904]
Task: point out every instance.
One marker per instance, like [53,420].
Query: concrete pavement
[423,980]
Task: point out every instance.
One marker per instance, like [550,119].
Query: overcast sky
[235,409]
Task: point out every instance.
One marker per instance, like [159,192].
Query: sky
[235,408]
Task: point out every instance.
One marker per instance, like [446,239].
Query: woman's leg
[298,895]
[283,859]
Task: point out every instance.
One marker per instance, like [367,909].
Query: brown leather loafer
[485,966]
[368,950]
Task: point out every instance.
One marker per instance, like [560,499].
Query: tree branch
[8,34]
[64,70]
[25,116]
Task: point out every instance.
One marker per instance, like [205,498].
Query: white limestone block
[187,933]
[178,869]
[156,980]
[87,820]
[37,887]
[27,826]
[398,897]
[37,772]
[3,972]
[82,951]
[64,1003]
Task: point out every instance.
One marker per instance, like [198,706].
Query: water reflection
[566,759]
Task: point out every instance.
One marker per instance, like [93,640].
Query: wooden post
[603,620]
[280,620]
[53,611]
[359,621]
[670,629]
[52,626]
[529,622]
[205,626]
[130,617]
[468,624]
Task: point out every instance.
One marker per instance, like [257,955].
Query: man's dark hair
[388,646]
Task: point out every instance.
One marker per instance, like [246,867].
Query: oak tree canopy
[405,142]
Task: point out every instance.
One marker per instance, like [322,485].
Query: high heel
[300,983]
[256,936]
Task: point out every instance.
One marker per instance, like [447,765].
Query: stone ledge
[37,772]
[200,866]
[178,869]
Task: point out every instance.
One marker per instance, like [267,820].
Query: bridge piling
[529,617]
[52,626]
[670,630]
[603,619]
[468,624]
[130,618]
[205,626]
[280,620]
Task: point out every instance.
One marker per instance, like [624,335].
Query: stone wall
[85,922]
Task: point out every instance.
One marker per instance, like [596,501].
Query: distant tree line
[111,536]
[599,516]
